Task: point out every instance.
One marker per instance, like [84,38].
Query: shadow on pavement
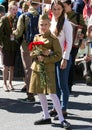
[77,118]
[16,106]
[78,93]
[74,127]
[80,106]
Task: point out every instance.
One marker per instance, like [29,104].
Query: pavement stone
[16,115]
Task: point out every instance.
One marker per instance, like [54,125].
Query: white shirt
[66,34]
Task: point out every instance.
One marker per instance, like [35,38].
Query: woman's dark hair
[68,2]
[21,3]
[61,19]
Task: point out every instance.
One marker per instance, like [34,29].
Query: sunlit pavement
[16,115]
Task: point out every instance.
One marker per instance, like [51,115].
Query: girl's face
[57,10]
[13,10]
[44,26]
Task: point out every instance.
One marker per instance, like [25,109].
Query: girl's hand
[63,64]
[46,52]
[40,58]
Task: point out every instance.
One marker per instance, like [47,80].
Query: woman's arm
[68,32]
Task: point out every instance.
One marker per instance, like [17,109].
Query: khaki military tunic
[6,23]
[52,43]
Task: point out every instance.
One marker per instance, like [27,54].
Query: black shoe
[53,113]
[88,80]
[43,121]
[56,117]
[7,90]
[23,89]
[64,114]
[26,100]
[65,124]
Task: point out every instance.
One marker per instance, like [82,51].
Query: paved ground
[16,115]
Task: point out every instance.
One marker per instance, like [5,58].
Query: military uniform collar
[47,34]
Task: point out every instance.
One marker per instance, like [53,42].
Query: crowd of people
[51,42]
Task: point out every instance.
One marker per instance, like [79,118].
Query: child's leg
[44,104]
[57,106]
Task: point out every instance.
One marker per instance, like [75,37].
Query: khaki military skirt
[35,84]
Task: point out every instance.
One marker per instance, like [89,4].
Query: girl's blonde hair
[12,3]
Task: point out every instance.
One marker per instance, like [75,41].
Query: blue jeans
[62,83]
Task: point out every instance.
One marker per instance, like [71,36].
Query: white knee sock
[44,104]
[57,106]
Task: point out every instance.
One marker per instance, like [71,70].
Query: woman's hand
[87,58]
[63,64]
[1,48]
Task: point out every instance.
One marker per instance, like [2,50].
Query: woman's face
[13,10]
[57,10]
[44,26]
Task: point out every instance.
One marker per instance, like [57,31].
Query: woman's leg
[11,73]
[64,75]
[5,77]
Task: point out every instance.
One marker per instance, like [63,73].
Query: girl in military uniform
[50,52]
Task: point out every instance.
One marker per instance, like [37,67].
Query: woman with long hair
[62,29]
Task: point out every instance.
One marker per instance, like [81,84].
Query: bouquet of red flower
[34,44]
[37,48]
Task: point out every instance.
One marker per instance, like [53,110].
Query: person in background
[79,32]
[89,32]
[47,10]
[62,29]
[37,86]
[87,10]
[2,11]
[20,11]
[5,4]
[25,7]
[8,44]
[83,62]
[78,6]
[25,54]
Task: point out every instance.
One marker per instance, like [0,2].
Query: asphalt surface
[17,115]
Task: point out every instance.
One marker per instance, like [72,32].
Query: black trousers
[72,68]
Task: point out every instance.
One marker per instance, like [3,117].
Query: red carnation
[31,44]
